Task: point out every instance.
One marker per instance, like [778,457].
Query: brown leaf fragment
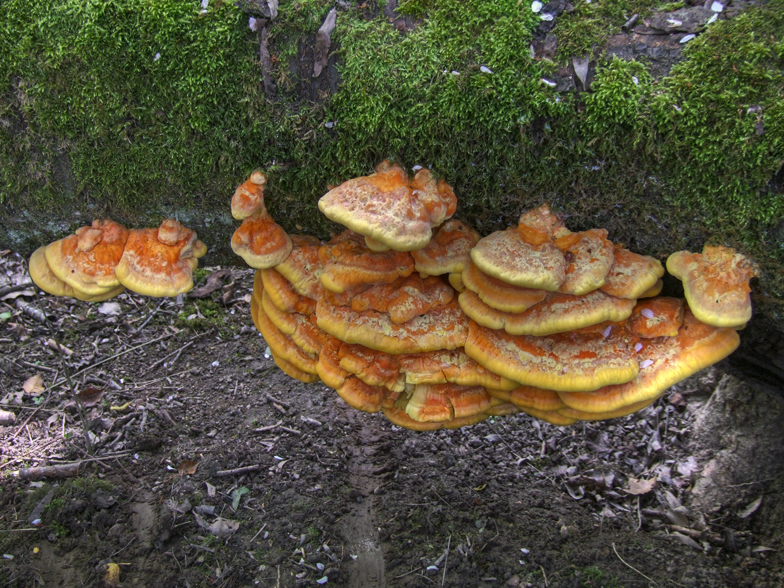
[686,540]
[90,396]
[51,343]
[214,282]
[34,385]
[187,467]
[750,509]
[638,486]
[220,528]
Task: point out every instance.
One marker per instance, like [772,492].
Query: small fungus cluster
[100,261]
[412,313]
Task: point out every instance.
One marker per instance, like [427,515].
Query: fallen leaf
[34,385]
[181,508]
[762,549]
[236,495]
[637,486]
[220,528]
[111,579]
[214,282]
[109,308]
[686,540]
[750,509]
[90,396]
[210,489]
[187,467]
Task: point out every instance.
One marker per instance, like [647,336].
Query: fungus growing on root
[44,278]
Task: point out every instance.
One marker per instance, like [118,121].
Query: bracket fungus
[416,316]
[100,261]
[160,262]
[716,284]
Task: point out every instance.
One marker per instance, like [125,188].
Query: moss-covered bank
[139,107]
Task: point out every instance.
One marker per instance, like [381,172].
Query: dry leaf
[220,528]
[750,509]
[34,385]
[110,308]
[187,467]
[90,396]
[637,486]
[686,540]
[111,578]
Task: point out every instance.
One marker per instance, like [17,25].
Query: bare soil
[209,467]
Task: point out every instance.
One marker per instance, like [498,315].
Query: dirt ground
[207,466]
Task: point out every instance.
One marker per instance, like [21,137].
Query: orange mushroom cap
[569,412]
[87,260]
[445,402]
[566,361]
[656,317]
[302,268]
[405,298]
[248,199]
[553,417]
[498,294]
[260,241]
[536,398]
[449,366]
[437,197]
[373,367]
[44,278]
[300,327]
[716,284]
[448,251]
[158,262]
[557,313]
[589,256]
[510,257]
[281,345]
[328,366]
[444,327]
[380,206]
[347,262]
[282,293]
[362,396]
[632,275]
[663,362]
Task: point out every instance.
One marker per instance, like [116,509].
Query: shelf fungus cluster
[412,313]
[101,260]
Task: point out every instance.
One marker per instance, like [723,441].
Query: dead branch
[243,470]
[7,418]
[67,470]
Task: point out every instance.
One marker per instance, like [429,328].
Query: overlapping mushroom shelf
[100,261]
[437,327]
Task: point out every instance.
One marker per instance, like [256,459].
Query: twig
[446,559]
[30,311]
[546,583]
[408,573]
[151,315]
[267,428]
[178,351]
[16,288]
[69,470]
[632,567]
[37,367]
[115,356]
[274,400]
[243,470]
[260,530]
[17,530]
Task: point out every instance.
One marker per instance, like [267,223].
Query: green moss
[585,29]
